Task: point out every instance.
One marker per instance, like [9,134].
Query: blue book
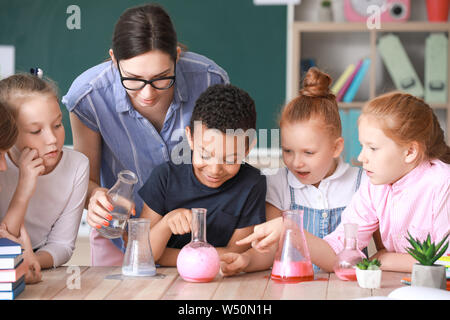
[9,247]
[356,83]
[11,295]
[10,286]
[10,261]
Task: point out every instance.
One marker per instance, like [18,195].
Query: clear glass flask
[346,260]
[198,261]
[292,261]
[138,260]
[120,196]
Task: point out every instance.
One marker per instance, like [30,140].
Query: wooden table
[95,283]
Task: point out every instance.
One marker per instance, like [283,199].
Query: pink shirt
[419,203]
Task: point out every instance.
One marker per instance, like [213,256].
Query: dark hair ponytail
[144,28]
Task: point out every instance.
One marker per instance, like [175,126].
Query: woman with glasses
[130,112]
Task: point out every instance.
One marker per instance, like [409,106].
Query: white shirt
[55,209]
[334,191]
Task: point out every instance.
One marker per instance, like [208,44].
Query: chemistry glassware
[292,261]
[346,260]
[138,260]
[198,261]
[120,196]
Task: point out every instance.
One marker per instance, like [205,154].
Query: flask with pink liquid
[346,260]
[198,261]
[292,261]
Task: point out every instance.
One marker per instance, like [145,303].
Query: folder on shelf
[341,80]
[436,51]
[399,65]
[347,84]
[356,83]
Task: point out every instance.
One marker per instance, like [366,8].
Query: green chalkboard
[248,41]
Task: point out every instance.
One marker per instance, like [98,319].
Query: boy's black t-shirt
[238,203]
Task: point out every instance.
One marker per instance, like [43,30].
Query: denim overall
[321,222]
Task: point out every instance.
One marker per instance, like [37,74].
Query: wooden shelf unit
[298,28]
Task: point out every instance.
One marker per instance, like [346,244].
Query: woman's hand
[179,220]
[232,263]
[30,167]
[99,209]
[264,235]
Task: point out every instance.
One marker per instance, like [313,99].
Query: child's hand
[232,263]
[30,167]
[264,235]
[33,274]
[179,220]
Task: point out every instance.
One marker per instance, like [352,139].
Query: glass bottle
[120,196]
[198,261]
[346,260]
[138,260]
[292,261]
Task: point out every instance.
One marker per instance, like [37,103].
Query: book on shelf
[10,261]
[15,292]
[356,83]
[9,247]
[10,286]
[342,79]
[349,81]
[12,275]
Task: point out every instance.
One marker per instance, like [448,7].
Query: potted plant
[368,273]
[426,273]
[324,14]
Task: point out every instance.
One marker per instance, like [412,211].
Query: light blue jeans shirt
[130,141]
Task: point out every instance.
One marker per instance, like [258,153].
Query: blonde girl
[51,180]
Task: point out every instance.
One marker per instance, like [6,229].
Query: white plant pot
[369,279]
[324,14]
[429,276]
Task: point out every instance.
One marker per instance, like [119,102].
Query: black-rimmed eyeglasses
[162,83]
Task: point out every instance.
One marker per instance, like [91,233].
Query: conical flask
[292,261]
[138,260]
[120,196]
[346,260]
[198,261]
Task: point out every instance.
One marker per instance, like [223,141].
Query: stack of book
[12,269]
[350,80]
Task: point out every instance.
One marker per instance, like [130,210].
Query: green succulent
[367,264]
[326,3]
[426,252]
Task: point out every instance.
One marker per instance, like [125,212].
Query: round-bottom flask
[198,261]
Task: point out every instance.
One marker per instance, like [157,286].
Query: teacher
[125,113]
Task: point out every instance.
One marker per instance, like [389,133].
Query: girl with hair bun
[408,165]
[316,180]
